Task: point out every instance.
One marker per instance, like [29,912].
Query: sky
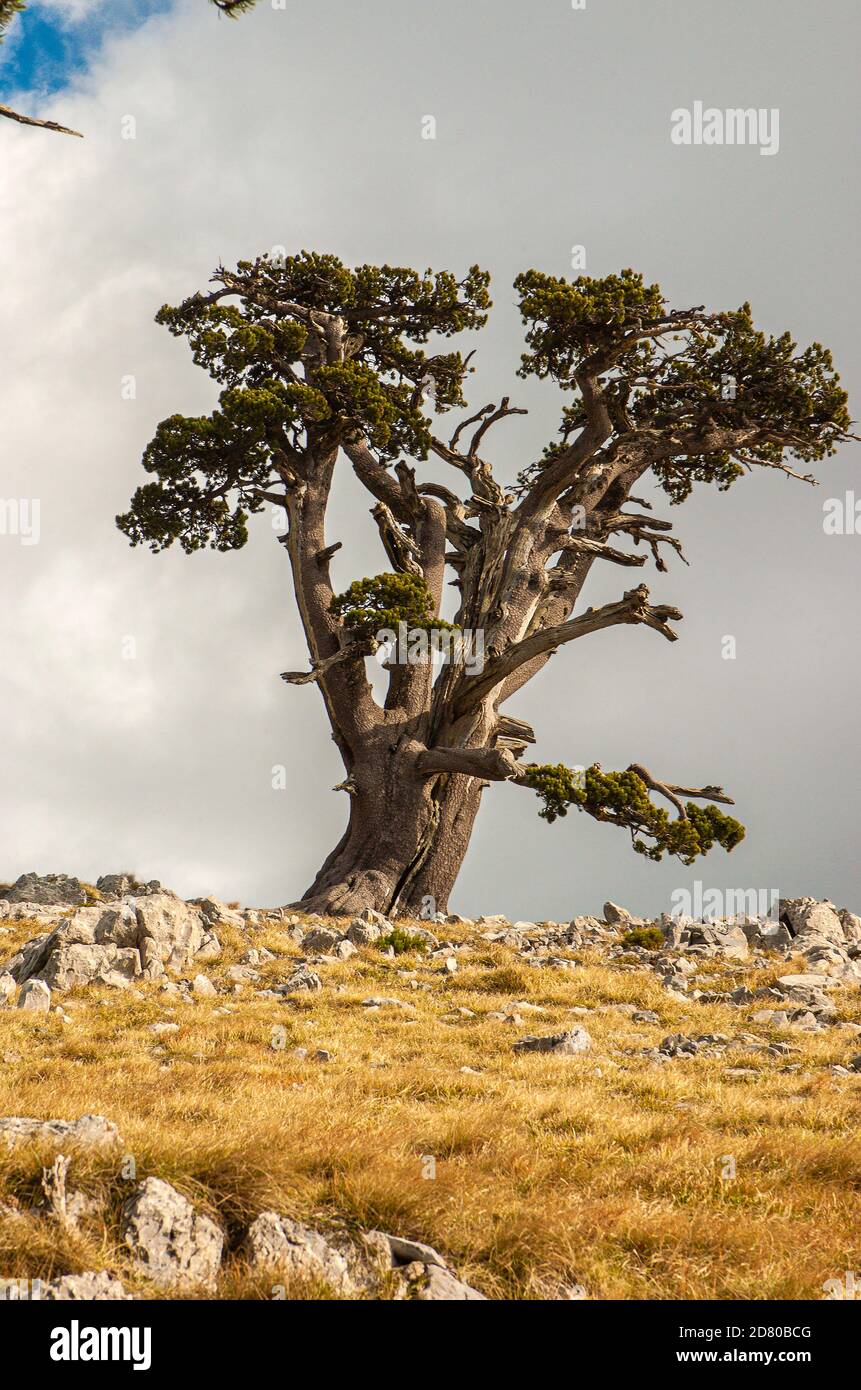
[142,710]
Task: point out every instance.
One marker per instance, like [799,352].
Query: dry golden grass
[602,1170]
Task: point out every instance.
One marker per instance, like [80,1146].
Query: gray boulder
[175,928]
[423,1272]
[215,913]
[616,916]
[171,1243]
[805,915]
[403,1251]
[851,926]
[362,933]
[88,1288]
[83,965]
[320,940]
[278,1242]
[50,890]
[92,1130]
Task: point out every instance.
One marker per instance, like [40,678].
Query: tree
[10,8]
[319,363]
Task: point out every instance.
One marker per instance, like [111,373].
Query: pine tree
[320,367]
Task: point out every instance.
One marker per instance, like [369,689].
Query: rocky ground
[201,1100]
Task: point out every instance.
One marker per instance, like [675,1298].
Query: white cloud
[73,10]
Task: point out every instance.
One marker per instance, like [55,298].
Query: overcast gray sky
[302,127]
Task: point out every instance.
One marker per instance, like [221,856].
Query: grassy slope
[602,1171]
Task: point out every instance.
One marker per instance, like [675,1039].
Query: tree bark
[405,841]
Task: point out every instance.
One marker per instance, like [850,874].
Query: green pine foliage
[209,470]
[402,942]
[789,399]
[234,8]
[371,605]
[622,798]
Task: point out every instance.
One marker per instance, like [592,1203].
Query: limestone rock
[567,1044]
[616,916]
[301,980]
[320,940]
[176,928]
[806,915]
[83,965]
[216,913]
[84,1287]
[171,1243]
[851,926]
[92,1130]
[277,1242]
[440,1285]
[35,995]
[362,933]
[51,890]
[404,1251]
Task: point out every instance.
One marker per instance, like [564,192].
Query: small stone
[405,1251]
[302,980]
[678,1045]
[567,1044]
[202,985]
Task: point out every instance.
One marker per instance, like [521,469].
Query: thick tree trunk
[404,845]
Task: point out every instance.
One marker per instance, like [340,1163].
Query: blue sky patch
[45,49]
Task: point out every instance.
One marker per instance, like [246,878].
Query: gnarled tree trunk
[403,847]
